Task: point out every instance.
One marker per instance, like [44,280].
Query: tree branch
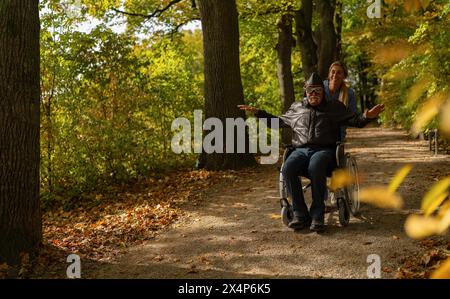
[182,24]
[154,14]
[247,14]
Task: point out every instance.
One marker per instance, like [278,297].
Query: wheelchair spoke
[353,190]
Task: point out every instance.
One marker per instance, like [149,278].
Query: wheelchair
[347,198]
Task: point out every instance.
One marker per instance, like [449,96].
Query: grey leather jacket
[316,126]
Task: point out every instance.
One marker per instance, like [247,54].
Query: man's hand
[248,108]
[374,112]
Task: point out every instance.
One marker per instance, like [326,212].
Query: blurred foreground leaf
[443,272]
[399,177]
[340,178]
[445,119]
[426,113]
[435,196]
[381,197]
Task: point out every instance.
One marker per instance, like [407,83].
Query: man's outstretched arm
[259,113]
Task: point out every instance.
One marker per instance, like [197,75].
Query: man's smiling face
[314,94]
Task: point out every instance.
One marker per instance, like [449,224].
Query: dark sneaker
[299,222]
[317,226]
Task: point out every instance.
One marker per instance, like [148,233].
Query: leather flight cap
[314,79]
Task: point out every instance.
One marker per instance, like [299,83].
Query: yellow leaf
[399,177]
[434,194]
[340,178]
[275,216]
[445,119]
[419,227]
[381,197]
[426,113]
[444,221]
[397,75]
[443,209]
[411,5]
[443,272]
[434,204]
[391,53]
[418,89]
[425,3]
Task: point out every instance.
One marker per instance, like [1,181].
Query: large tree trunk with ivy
[20,216]
[223,85]
[284,67]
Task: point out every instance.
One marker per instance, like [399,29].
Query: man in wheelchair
[315,123]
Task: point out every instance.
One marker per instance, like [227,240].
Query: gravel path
[235,231]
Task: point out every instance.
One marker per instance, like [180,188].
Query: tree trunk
[338,22]
[327,49]
[308,48]
[223,85]
[284,68]
[362,78]
[20,216]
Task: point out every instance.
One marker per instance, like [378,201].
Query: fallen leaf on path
[3,270]
[275,216]
[428,243]
[431,257]
[158,258]
[205,260]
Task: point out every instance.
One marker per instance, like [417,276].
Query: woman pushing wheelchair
[315,122]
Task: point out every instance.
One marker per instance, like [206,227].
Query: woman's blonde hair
[343,91]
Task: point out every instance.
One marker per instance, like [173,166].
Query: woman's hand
[248,108]
[374,112]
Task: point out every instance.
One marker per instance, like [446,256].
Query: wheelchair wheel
[286,211]
[344,213]
[352,192]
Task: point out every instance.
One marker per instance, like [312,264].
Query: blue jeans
[314,164]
